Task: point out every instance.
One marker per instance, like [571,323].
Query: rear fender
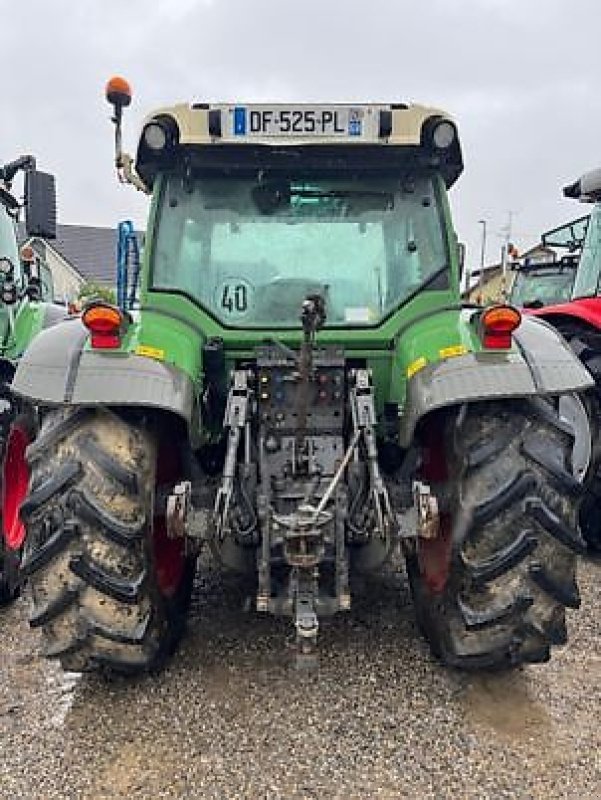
[541,363]
[56,370]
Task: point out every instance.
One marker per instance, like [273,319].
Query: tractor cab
[582,239]
[542,284]
[588,279]
[258,207]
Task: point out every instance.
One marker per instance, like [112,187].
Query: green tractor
[24,286]
[302,396]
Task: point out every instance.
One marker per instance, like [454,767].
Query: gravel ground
[231,719]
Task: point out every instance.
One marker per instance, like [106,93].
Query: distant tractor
[302,395]
[537,285]
[25,286]
[545,283]
[579,320]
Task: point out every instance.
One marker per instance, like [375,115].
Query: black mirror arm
[8,171]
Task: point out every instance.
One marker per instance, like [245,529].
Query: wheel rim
[15,484]
[169,559]
[169,554]
[434,555]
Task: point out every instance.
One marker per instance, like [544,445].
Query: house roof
[91,250]
[538,248]
[489,269]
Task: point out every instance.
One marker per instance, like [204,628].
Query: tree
[92,289]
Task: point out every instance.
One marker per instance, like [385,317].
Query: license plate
[345,122]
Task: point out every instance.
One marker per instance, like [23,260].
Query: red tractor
[579,320]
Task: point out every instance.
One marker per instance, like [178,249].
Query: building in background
[493,286]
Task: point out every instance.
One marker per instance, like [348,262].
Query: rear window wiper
[341,193]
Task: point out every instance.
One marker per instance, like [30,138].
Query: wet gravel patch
[231,718]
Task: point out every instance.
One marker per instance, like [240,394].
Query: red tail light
[497,324]
[105,323]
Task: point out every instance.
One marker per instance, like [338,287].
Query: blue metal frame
[128,256]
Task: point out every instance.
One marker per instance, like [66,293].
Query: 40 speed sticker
[234,298]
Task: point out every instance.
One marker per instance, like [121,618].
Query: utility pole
[482,256]
[505,252]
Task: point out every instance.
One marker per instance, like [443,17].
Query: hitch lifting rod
[334,482]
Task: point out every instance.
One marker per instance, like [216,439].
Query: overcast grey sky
[522,78]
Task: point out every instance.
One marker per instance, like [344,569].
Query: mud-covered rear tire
[90,554]
[492,593]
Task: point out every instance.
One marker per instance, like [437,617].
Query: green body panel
[179,344]
[28,317]
[421,341]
